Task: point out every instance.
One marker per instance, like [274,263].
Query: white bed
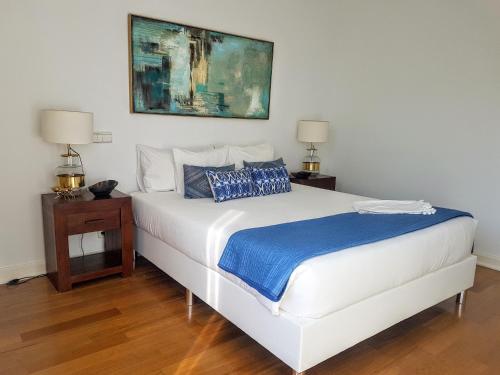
[332,301]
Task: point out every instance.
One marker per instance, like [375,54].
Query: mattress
[200,229]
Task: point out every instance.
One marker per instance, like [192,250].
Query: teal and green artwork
[183,70]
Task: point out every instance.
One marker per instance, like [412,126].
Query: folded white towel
[393,207]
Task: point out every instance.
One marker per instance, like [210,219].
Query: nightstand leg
[63,277]
[127,230]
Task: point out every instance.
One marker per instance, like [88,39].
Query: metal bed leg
[189,304]
[460,300]
[189,297]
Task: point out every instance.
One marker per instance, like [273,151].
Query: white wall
[73,55]
[415,102]
[412,88]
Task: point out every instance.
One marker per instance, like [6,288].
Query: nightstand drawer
[328,184]
[93,221]
[319,181]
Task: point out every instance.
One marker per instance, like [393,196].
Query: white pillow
[262,152]
[207,158]
[155,169]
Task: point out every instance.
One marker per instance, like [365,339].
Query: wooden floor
[140,325]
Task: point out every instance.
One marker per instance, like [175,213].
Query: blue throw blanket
[265,257]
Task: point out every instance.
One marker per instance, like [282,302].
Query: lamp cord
[23,280]
[81,244]
[79,157]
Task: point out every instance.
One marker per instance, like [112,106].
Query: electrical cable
[23,280]
[81,244]
[79,157]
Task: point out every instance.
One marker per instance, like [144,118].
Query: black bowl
[103,188]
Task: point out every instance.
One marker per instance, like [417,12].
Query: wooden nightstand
[319,180]
[62,218]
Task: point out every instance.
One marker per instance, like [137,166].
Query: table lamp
[69,128]
[312,132]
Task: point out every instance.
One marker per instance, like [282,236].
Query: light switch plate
[102,137]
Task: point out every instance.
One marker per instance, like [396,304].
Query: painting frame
[132,104]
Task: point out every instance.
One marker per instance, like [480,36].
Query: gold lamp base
[67,181]
[67,193]
[311,166]
[311,161]
[70,174]
[69,185]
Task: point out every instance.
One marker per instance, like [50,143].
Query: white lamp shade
[312,131]
[67,127]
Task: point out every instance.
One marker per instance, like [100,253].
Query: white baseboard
[37,267]
[14,271]
[488,260]
[33,268]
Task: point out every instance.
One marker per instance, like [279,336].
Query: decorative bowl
[103,188]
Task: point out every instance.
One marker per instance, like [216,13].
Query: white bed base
[303,343]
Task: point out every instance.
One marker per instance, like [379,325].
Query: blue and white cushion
[196,182]
[268,181]
[264,164]
[230,185]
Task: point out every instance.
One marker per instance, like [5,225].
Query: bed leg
[460,299]
[189,297]
[189,304]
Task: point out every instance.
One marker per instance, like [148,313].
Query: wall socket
[102,137]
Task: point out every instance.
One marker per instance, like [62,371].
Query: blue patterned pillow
[268,181]
[264,164]
[230,185]
[196,182]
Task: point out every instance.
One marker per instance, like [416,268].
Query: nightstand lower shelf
[91,266]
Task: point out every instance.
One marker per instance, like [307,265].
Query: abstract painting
[183,70]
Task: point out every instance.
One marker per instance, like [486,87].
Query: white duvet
[200,229]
